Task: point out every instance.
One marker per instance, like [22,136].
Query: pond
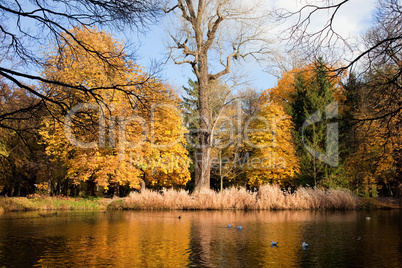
[201,239]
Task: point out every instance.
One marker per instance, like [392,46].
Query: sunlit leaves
[131,119]
[274,158]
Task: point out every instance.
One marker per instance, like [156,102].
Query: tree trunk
[116,193]
[91,187]
[202,169]
[49,181]
[49,186]
[398,172]
[202,157]
[143,186]
[220,168]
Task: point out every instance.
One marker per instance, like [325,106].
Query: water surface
[201,239]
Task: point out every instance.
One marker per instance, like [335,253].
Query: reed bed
[268,197]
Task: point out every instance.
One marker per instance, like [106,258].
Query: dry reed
[268,197]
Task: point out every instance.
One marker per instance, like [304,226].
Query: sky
[352,20]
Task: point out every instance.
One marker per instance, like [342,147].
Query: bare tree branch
[51,22]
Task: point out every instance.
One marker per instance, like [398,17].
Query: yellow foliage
[285,88]
[274,159]
[373,163]
[42,186]
[142,135]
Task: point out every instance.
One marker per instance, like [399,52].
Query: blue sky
[352,20]
[153,48]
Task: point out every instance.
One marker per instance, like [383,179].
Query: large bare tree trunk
[202,157]
[202,169]
[198,28]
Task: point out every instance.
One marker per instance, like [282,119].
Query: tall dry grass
[268,197]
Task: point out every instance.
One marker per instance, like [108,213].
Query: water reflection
[161,239]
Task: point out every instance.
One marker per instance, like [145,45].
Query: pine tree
[314,90]
[189,108]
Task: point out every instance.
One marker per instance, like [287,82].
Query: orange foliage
[284,90]
[143,135]
[274,158]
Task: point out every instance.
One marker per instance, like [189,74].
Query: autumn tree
[210,35]
[28,26]
[115,137]
[307,93]
[380,44]
[20,42]
[226,114]
[21,157]
[372,154]
[384,81]
[269,135]
[224,119]
[376,109]
[380,56]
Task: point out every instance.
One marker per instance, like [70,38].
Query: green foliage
[42,203]
[223,127]
[373,144]
[314,89]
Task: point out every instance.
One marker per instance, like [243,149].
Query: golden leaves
[137,127]
[274,159]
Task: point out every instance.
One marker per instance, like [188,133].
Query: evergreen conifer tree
[314,91]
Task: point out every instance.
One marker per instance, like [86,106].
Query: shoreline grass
[42,203]
[269,197]
[380,203]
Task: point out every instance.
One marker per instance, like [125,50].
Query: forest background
[79,116]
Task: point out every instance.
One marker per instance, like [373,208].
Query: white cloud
[353,19]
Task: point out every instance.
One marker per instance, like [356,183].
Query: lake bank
[24,204]
[380,203]
[269,198]
[44,203]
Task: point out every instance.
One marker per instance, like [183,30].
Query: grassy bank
[38,202]
[268,197]
[380,203]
